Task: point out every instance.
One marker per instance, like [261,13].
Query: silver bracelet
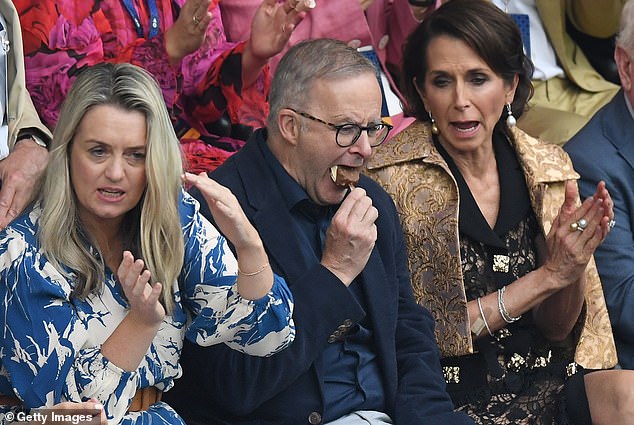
[486,325]
[260,270]
[505,314]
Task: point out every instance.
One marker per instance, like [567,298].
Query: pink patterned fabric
[61,37]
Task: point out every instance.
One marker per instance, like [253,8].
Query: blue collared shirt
[351,374]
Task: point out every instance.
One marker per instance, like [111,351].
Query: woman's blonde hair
[152,229]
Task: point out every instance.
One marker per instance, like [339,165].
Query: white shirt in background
[542,53]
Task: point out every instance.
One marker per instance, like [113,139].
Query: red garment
[61,37]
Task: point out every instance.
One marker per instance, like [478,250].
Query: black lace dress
[517,376]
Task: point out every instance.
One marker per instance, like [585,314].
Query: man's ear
[288,125]
[624,65]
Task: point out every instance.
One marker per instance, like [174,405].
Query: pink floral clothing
[61,37]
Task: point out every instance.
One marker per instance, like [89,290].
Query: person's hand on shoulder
[20,174]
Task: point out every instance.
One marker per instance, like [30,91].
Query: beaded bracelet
[264,266]
[505,314]
[484,318]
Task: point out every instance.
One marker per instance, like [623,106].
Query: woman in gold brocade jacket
[500,246]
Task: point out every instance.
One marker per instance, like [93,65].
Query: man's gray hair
[307,62]
[625,37]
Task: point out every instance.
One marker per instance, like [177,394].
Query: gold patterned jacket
[414,173]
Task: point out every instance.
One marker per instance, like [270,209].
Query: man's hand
[350,237]
[20,175]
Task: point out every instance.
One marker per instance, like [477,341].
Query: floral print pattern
[414,173]
[50,347]
[62,37]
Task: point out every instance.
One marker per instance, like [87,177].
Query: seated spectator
[113,265]
[568,90]
[599,51]
[180,42]
[602,150]
[499,246]
[364,351]
[23,146]
[23,137]
[378,28]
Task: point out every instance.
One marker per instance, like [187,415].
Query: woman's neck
[480,173]
[109,241]
[476,164]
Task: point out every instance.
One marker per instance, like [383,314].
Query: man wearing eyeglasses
[378,28]
[364,351]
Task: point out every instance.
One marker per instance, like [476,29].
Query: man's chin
[336,195]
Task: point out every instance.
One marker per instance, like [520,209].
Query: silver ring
[196,20]
[611,224]
[578,225]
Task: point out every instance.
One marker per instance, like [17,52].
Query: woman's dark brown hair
[490,32]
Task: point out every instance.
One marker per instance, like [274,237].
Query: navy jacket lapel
[271,221]
[380,300]
[619,135]
[264,200]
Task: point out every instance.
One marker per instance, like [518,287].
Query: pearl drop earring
[510,119]
[434,127]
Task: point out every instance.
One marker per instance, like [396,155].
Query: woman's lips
[110,194]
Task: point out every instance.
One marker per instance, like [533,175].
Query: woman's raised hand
[226,210]
[188,32]
[143,297]
[608,206]
[272,26]
[576,233]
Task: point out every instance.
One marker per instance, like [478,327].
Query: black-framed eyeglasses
[348,134]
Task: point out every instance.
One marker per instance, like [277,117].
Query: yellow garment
[559,109]
[586,91]
[426,195]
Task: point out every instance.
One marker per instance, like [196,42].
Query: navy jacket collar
[619,135]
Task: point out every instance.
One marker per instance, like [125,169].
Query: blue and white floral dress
[50,349]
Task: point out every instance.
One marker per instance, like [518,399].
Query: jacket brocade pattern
[417,177]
